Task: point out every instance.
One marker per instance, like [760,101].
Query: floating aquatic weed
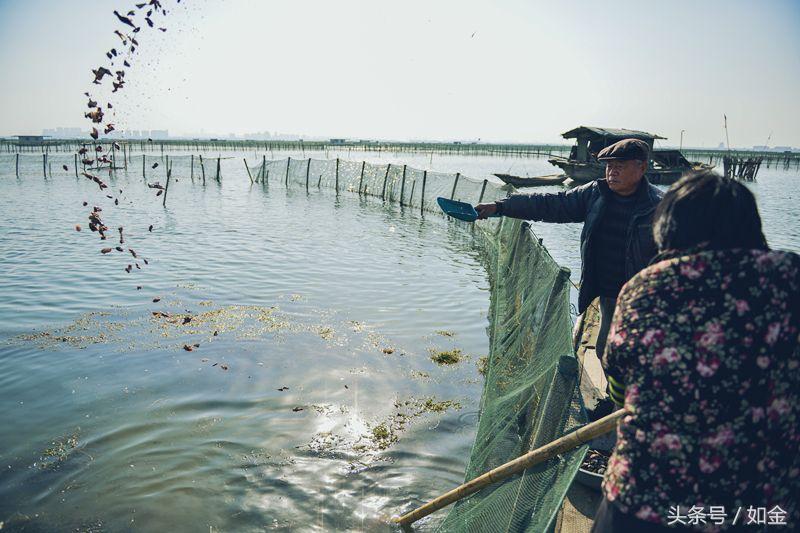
[483,365]
[86,330]
[446,357]
[419,374]
[445,333]
[58,451]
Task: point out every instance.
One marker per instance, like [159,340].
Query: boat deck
[577,512]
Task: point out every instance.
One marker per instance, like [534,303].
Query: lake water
[109,424]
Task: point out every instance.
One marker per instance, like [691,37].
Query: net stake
[248,170]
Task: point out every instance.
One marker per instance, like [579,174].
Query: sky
[500,71]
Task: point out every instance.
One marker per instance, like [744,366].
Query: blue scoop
[460,210]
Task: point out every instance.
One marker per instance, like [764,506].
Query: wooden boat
[534,181]
[664,168]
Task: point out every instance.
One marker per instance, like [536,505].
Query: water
[109,424]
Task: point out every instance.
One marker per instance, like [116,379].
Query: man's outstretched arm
[568,206]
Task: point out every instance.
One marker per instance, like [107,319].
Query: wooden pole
[403,186]
[218,168]
[76,165]
[17,164]
[337,174]
[248,169]
[361,179]
[286,181]
[144,176]
[411,198]
[455,184]
[561,445]
[202,168]
[422,197]
[308,169]
[44,165]
[191,175]
[385,178]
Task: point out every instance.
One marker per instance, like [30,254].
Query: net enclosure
[531,394]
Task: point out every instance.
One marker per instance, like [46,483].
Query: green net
[393,183]
[531,395]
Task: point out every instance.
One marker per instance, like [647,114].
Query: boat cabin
[590,140]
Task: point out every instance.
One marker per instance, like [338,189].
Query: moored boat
[664,168]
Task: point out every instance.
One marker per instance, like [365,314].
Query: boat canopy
[591,131]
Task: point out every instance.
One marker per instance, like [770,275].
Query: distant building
[64,133]
[337,141]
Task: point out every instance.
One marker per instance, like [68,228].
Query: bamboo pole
[166,187]
[455,184]
[337,174]
[385,178]
[422,197]
[403,186]
[361,179]
[144,176]
[248,169]
[17,165]
[44,165]
[191,175]
[202,168]
[76,165]
[559,446]
[483,190]
[218,168]
[308,169]
[288,161]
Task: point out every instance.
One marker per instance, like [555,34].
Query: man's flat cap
[625,150]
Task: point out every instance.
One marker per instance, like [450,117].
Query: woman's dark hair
[708,209]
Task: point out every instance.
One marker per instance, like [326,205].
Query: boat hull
[536,181]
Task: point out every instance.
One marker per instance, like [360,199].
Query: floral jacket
[707,347]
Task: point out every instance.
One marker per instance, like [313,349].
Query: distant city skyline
[62,132]
[509,71]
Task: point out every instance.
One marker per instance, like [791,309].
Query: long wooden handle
[561,445]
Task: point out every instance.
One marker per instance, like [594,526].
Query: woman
[703,351]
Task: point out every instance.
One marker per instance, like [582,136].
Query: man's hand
[486,210]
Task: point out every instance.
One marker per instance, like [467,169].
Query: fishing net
[393,183]
[531,395]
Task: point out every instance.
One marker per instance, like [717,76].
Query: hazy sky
[500,71]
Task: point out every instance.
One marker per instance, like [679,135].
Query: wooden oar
[561,445]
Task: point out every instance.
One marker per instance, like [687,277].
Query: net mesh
[531,395]
[393,183]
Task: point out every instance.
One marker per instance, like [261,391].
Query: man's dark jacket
[587,204]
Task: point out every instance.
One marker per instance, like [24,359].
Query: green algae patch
[446,357]
[445,333]
[382,437]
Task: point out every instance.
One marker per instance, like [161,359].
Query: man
[617,236]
